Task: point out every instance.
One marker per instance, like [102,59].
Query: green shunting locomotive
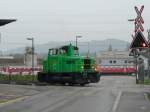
[64,65]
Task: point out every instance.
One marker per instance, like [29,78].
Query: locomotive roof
[65,47]
[6,21]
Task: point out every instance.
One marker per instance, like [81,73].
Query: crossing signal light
[143,45]
[139,41]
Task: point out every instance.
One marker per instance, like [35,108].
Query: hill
[93,46]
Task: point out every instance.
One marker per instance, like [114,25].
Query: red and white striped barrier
[19,70]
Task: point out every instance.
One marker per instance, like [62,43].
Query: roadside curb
[146,97]
[12,101]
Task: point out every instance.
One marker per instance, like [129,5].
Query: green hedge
[4,77]
[18,77]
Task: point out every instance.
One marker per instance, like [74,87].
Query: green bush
[4,77]
[18,77]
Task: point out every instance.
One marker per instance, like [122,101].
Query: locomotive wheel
[63,83]
[94,77]
[82,84]
[41,77]
[71,84]
[48,78]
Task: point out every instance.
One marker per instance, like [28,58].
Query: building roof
[6,21]
[113,54]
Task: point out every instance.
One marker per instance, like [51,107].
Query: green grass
[18,77]
[147,81]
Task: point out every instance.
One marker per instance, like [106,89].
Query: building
[114,58]
[115,61]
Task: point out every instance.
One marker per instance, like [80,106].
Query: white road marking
[116,102]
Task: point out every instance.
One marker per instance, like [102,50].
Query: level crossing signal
[139,41]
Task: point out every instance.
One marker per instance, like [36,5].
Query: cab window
[53,51]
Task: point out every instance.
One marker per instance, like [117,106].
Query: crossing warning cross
[139,20]
[139,41]
[139,12]
[138,25]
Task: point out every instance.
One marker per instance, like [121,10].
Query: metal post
[32,56]
[149,53]
[0,38]
[0,43]
[32,39]
[136,65]
[9,78]
[77,40]
[88,49]
[135,53]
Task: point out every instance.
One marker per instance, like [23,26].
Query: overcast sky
[62,20]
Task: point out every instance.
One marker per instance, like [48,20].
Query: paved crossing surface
[111,94]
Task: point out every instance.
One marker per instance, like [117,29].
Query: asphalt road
[111,94]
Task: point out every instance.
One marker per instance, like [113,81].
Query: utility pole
[1,51]
[0,38]
[136,65]
[148,31]
[88,49]
[0,41]
[78,36]
[32,39]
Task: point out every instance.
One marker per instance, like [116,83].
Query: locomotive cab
[65,50]
[70,50]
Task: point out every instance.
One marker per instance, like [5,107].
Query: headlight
[95,69]
[82,67]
